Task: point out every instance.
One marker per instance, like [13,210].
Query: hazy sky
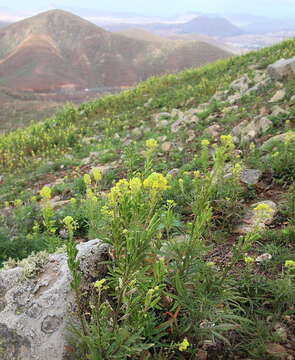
[162,7]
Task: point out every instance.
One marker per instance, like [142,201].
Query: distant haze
[270,8]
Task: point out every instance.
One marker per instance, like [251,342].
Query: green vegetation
[182,282]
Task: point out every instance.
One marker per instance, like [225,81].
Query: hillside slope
[59,50]
[190,178]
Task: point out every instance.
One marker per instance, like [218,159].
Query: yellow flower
[68,221]
[96,174]
[118,191]
[210,264]
[171,203]
[17,203]
[156,182]
[184,345]
[290,264]
[237,170]
[73,201]
[135,185]
[99,285]
[151,144]
[45,193]
[263,208]
[197,174]
[205,143]
[248,260]
[87,179]
[227,141]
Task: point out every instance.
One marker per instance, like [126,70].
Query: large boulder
[282,69]
[35,311]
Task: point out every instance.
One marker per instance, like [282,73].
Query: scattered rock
[191,135]
[213,130]
[241,84]
[35,312]
[250,176]
[202,355]
[281,332]
[137,132]
[173,172]
[276,350]
[167,146]
[264,257]
[219,96]
[148,103]
[234,98]
[282,69]
[56,203]
[246,131]
[248,223]
[277,110]
[163,124]
[278,96]
[161,116]
[274,141]
[176,126]
[292,100]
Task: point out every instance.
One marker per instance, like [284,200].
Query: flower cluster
[184,345]
[151,144]
[290,264]
[156,182]
[45,193]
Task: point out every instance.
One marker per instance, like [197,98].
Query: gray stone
[234,98]
[173,172]
[282,69]
[277,110]
[191,135]
[162,115]
[213,130]
[162,124]
[246,131]
[167,146]
[278,96]
[219,96]
[35,312]
[250,176]
[249,222]
[137,132]
[241,85]
[276,140]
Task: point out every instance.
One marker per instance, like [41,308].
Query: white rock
[35,312]
[278,96]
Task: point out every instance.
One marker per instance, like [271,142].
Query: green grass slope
[146,172]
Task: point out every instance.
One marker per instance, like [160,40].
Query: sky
[272,8]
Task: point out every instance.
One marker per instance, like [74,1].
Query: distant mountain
[206,25]
[59,50]
[217,26]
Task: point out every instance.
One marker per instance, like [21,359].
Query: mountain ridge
[57,49]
